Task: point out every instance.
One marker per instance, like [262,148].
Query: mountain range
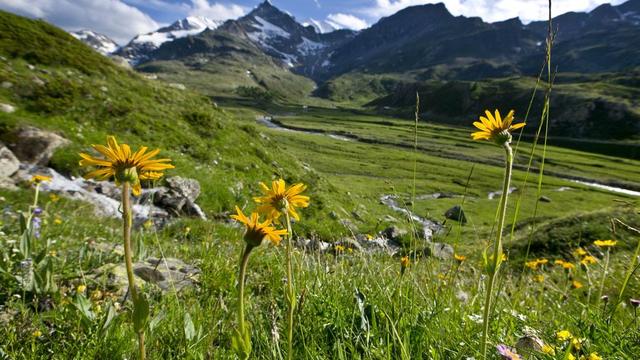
[271,52]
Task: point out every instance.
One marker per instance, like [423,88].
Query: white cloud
[119,21]
[489,10]
[216,11]
[346,21]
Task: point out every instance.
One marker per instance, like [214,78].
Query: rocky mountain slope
[101,43]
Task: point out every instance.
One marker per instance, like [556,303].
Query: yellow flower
[405,262]
[37,179]
[577,343]
[80,289]
[576,284]
[494,127]
[54,198]
[533,264]
[257,231]
[459,257]
[148,224]
[124,165]
[547,349]
[563,335]
[588,260]
[96,295]
[605,243]
[594,356]
[36,333]
[369,237]
[538,278]
[565,264]
[57,221]
[570,357]
[579,252]
[339,248]
[53,253]
[279,198]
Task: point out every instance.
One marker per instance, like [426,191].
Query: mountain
[139,48]
[101,43]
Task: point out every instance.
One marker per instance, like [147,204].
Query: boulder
[9,163]
[36,146]
[6,108]
[456,213]
[166,274]
[394,232]
[442,251]
[179,197]
[545,199]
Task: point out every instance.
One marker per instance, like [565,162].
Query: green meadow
[350,303]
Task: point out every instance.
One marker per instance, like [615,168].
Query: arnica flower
[38,179]
[538,278]
[459,257]
[594,356]
[605,243]
[588,260]
[563,335]
[405,262]
[565,264]
[124,165]
[257,231]
[36,333]
[339,248]
[81,289]
[494,128]
[54,198]
[279,198]
[533,264]
[576,284]
[548,349]
[579,252]
[507,353]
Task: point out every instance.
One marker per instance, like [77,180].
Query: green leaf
[156,320]
[140,312]
[241,343]
[189,329]
[111,314]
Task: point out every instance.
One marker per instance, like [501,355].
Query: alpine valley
[448,59]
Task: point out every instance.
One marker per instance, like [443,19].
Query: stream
[268,122]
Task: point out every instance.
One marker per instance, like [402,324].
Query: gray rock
[166,274]
[545,199]
[36,80]
[333,215]
[178,86]
[456,213]
[179,197]
[7,85]
[9,163]
[36,146]
[31,67]
[6,108]
[394,232]
[442,251]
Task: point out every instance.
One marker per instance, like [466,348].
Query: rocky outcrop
[178,197]
[36,146]
[9,163]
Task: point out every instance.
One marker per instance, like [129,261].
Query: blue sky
[123,19]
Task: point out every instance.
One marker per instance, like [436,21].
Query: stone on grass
[456,213]
[36,146]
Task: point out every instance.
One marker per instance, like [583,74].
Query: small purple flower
[37,211]
[36,223]
[507,353]
[635,302]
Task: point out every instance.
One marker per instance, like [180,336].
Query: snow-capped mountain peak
[101,43]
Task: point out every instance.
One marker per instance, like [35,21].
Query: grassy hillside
[60,84]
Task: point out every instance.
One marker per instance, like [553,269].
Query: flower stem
[497,247]
[126,233]
[290,288]
[243,272]
[604,275]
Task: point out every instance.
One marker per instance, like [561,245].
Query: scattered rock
[104,89]
[545,199]
[456,213]
[31,67]
[178,86]
[442,251]
[36,146]
[7,85]
[179,197]
[6,108]
[394,233]
[333,215]
[9,163]
[167,274]
[492,195]
[36,80]
[120,61]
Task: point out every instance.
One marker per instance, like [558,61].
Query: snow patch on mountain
[192,25]
[266,31]
[308,47]
[101,43]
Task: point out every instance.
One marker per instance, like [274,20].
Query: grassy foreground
[351,305]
